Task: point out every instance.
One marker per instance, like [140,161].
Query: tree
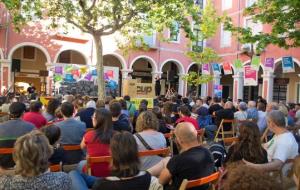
[101,18]
[283,16]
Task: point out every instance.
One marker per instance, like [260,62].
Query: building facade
[273,86]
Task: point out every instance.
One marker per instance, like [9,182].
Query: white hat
[91,104]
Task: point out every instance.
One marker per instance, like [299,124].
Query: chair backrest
[55,168]
[6,150]
[186,184]
[200,135]
[71,147]
[157,152]
[230,140]
[221,128]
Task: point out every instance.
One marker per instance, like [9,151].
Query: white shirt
[205,105]
[282,147]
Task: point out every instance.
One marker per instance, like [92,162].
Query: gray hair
[243,106]
[252,104]
[277,117]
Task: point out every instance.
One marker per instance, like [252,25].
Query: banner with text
[227,68]
[288,65]
[250,76]
[269,64]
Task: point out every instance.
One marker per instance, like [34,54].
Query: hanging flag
[88,77]
[238,65]
[57,78]
[58,70]
[218,90]
[227,68]
[69,78]
[269,64]
[288,65]
[76,73]
[94,72]
[216,68]
[83,70]
[68,68]
[250,76]
[255,62]
[205,69]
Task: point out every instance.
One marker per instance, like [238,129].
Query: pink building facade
[273,86]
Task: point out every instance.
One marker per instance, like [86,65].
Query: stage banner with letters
[288,65]
[250,76]
[136,102]
[145,90]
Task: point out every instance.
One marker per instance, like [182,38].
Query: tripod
[170,92]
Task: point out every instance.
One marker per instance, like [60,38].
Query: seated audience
[52,132]
[281,147]
[261,122]
[242,177]
[148,138]
[252,113]
[12,129]
[225,113]
[96,142]
[34,116]
[163,126]
[185,116]
[194,161]
[126,173]
[296,172]
[72,132]
[120,121]
[185,102]
[241,115]
[49,114]
[215,106]
[86,114]
[32,152]
[248,146]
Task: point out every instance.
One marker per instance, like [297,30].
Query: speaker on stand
[15,67]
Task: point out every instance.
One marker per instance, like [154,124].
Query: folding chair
[55,168]
[169,136]
[71,157]
[221,129]
[187,184]
[158,152]
[6,150]
[95,160]
[229,141]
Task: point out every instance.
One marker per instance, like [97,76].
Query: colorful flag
[255,62]
[216,68]
[227,68]
[269,64]
[205,69]
[58,70]
[250,76]
[288,65]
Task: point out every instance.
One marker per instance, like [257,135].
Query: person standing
[31,91]
[157,86]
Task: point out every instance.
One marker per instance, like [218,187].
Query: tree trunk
[100,67]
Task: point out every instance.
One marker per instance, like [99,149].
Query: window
[255,27]
[28,52]
[199,3]
[225,37]
[249,3]
[226,4]
[175,32]
[198,43]
[65,57]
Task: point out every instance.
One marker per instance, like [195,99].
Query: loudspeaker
[44,73]
[16,65]
[170,76]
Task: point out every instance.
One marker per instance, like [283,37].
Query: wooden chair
[186,184]
[200,135]
[71,147]
[89,129]
[6,150]
[107,159]
[55,168]
[69,167]
[221,129]
[230,140]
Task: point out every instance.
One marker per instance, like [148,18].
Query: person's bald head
[186,133]
[228,105]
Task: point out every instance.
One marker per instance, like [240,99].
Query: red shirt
[35,118]
[190,120]
[96,148]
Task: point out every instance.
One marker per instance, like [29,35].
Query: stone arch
[62,50]
[44,50]
[151,61]
[119,57]
[178,64]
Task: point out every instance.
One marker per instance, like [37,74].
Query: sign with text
[250,76]
[136,102]
[227,68]
[145,90]
[269,64]
[288,65]
[205,69]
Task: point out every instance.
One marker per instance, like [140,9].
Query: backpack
[218,151]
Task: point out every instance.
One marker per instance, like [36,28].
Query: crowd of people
[267,143]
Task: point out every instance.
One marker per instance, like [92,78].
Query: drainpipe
[6,36]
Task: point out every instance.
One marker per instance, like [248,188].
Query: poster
[269,64]
[136,102]
[288,65]
[216,68]
[255,62]
[227,68]
[205,69]
[218,90]
[111,77]
[238,65]
[250,76]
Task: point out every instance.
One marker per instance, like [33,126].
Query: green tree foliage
[133,18]
[282,15]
